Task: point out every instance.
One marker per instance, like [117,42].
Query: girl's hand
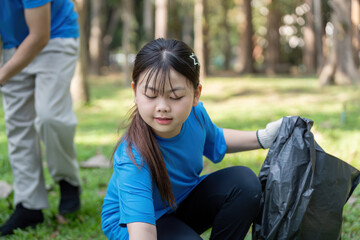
[267,136]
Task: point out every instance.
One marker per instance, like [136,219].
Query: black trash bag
[304,188]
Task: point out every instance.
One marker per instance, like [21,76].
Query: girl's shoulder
[200,106]
[123,155]
[201,112]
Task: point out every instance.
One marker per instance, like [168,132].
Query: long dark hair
[156,59]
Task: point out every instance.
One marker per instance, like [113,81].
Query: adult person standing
[40,50]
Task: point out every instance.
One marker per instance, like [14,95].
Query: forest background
[261,60]
[242,36]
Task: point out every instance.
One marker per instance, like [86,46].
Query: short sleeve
[34,3]
[215,145]
[135,194]
[129,195]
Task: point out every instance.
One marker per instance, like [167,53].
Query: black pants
[227,200]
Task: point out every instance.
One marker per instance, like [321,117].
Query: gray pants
[37,105]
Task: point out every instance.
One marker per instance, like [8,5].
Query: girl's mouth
[163,121]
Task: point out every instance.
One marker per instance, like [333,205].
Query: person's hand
[2,80]
[267,136]
[38,21]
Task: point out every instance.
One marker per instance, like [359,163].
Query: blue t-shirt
[132,197]
[13,28]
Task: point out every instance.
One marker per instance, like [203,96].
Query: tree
[340,66]
[161,18]
[96,34]
[148,20]
[79,84]
[105,18]
[206,37]
[245,61]
[355,17]
[175,23]
[225,34]
[188,19]
[198,35]
[318,29]
[272,54]
[127,12]
[113,14]
[309,54]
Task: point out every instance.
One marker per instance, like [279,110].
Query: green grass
[246,103]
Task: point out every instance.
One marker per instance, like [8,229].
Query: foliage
[180,26]
[246,103]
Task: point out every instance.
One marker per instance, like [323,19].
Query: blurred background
[301,37]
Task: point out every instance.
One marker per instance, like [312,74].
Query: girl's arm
[141,231]
[237,141]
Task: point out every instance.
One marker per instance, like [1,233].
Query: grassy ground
[246,103]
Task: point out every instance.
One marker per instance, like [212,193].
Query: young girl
[156,191]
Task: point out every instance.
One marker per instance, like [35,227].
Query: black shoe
[70,198]
[21,218]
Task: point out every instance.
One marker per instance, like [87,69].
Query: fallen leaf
[54,234]
[61,219]
[81,219]
[352,200]
[98,161]
[102,193]
[5,189]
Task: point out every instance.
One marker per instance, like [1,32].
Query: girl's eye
[176,98]
[150,96]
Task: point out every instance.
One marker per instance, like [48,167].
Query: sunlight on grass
[252,102]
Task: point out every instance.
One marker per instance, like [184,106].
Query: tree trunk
[175,23]
[96,36]
[127,13]
[309,57]
[79,86]
[198,35]
[340,68]
[148,20]
[206,37]
[114,15]
[187,31]
[355,17]
[318,35]
[226,46]
[272,55]
[161,18]
[245,60]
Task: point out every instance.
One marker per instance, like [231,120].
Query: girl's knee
[249,186]
[247,179]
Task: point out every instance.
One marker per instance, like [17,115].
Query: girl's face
[165,113]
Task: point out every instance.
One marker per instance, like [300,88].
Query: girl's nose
[162,105]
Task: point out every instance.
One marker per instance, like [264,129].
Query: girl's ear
[133,86]
[197,95]
[134,90]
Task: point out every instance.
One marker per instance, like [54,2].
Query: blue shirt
[13,27]
[132,197]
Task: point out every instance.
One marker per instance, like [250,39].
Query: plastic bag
[304,188]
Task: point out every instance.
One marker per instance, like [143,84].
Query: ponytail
[140,135]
